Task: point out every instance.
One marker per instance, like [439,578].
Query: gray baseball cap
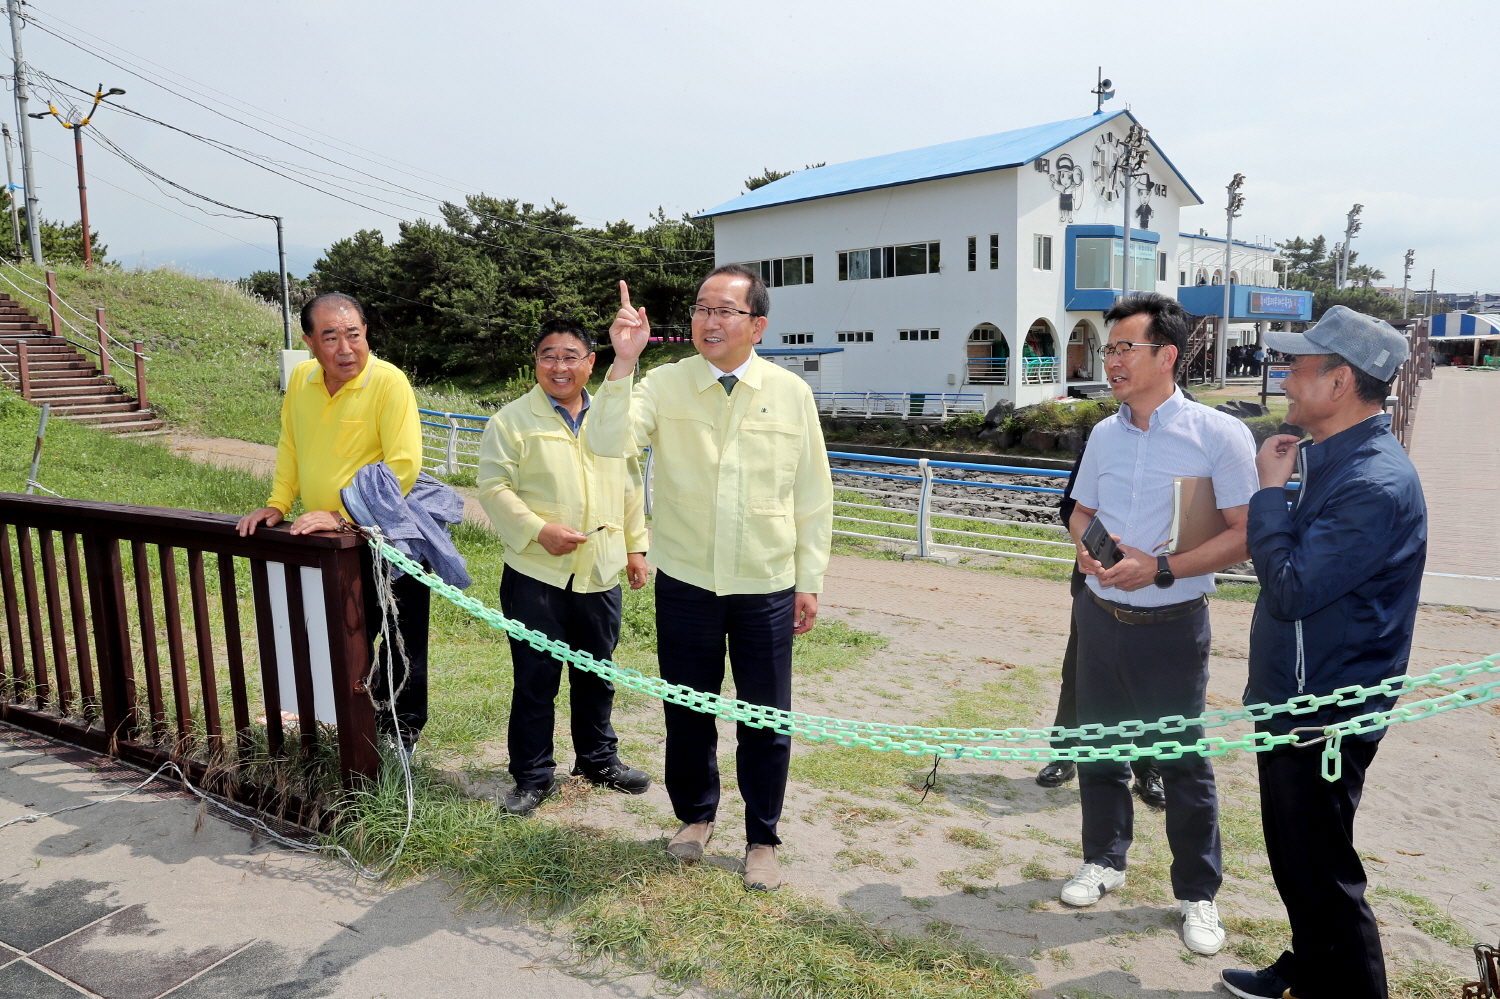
[1371,345]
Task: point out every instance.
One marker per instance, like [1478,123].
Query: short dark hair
[1169,320]
[570,327]
[1369,388]
[330,298]
[758,298]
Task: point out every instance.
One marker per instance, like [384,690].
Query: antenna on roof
[1103,92]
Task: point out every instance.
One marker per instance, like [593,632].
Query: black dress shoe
[1057,773]
[1149,788]
[616,776]
[522,801]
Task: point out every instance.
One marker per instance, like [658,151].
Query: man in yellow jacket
[740,537]
[570,521]
[343,410]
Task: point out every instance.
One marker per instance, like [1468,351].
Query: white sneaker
[1201,930]
[1090,884]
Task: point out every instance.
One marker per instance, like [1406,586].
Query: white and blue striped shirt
[1126,474]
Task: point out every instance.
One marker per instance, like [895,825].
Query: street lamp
[1231,212]
[1353,227]
[1133,153]
[77,126]
[1411,256]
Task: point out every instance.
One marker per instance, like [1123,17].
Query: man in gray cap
[1340,569]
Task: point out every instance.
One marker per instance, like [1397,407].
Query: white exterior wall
[1015,203]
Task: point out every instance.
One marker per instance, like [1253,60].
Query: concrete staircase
[61,375]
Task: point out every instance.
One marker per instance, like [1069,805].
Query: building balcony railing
[1040,370]
[989,370]
[899,405]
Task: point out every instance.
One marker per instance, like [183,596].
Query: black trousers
[1148,671]
[413,604]
[1309,826]
[1067,702]
[692,627]
[588,622]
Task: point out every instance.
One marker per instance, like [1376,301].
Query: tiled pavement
[146,897]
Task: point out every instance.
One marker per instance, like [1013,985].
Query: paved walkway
[1456,448]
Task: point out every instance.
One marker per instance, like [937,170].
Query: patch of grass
[1001,704]
[1035,870]
[850,858]
[699,927]
[1237,592]
[855,769]
[1425,980]
[1258,942]
[971,838]
[1426,916]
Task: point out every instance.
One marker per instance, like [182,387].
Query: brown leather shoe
[687,846]
[762,872]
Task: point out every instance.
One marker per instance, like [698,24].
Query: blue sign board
[1276,304]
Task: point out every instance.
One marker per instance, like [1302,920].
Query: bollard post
[452,449]
[924,514]
[140,377]
[103,342]
[52,303]
[23,370]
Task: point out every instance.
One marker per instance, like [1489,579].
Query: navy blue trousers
[1309,826]
[1146,672]
[693,626]
[588,622]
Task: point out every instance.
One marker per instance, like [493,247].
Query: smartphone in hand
[1098,543]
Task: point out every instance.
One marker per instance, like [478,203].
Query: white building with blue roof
[979,266]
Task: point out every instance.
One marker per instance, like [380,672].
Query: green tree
[62,243]
[1364,275]
[266,285]
[769,176]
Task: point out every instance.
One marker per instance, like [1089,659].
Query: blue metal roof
[950,159]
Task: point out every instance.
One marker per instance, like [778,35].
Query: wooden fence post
[103,342]
[345,573]
[52,310]
[111,635]
[140,377]
[23,370]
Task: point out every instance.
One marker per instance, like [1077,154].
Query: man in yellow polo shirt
[343,410]
[570,521]
[740,536]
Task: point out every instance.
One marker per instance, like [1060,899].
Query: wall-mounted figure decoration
[1144,213]
[1067,181]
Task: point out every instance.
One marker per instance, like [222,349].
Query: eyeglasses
[703,312]
[1125,347]
[561,360]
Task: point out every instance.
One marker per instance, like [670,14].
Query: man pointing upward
[740,535]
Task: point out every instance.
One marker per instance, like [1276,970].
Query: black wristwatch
[1164,577]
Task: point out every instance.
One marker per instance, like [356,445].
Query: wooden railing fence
[155,634]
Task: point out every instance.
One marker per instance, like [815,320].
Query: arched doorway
[988,356]
[1039,358]
[1083,352]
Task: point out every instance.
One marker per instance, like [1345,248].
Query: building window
[973,253]
[917,334]
[784,270]
[1182,277]
[857,336]
[889,261]
[1041,252]
[1161,267]
[994,251]
[792,339]
[1099,263]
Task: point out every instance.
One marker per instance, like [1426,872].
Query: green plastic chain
[957,743]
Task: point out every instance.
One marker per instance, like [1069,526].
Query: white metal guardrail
[941,523]
[899,405]
[450,441]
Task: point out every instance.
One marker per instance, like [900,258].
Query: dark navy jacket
[1340,573]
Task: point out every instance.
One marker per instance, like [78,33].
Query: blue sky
[616,109]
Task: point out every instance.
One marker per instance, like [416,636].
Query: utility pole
[1350,229]
[28,170]
[1231,212]
[1406,281]
[10,190]
[286,298]
[80,120]
[1103,92]
[1431,292]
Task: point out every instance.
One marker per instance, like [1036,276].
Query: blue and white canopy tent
[1464,328]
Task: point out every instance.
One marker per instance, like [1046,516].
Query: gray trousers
[1146,672]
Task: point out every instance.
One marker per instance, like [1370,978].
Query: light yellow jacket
[326,438]
[533,471]
[743,496]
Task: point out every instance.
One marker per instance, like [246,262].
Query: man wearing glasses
[570,520]
[741,533]
[1143,624]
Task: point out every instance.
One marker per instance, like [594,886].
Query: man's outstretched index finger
[624,295]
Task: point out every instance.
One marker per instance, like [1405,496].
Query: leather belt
[1153,615]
